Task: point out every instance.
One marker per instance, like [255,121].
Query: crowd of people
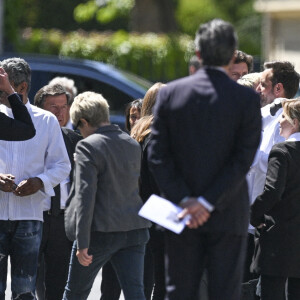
[222,143]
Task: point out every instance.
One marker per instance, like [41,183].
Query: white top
[256,177]
[69,125]
[44,156]
[295,137]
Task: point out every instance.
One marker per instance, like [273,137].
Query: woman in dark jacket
[276,212]
[154,273]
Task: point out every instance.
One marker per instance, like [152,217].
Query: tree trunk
[153,16]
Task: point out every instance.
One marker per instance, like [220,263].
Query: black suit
[55,248]
[21,127]
[278,251]
[205,134]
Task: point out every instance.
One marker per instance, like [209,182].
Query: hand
[260,226]
[7,183]
[5,85]
[28,187]
[5,88]
[199,214]
[83,257]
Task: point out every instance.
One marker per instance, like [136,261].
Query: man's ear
[84,122]
[279,90]
[198,54]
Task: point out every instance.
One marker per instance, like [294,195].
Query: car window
[116,98]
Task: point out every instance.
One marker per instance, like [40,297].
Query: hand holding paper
[164,213]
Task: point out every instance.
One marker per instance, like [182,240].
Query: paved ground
[94,295]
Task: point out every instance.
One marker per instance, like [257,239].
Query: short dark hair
[195,62]
[242,57]
[216,41]
[135,103]
[284,72]
[18,71]
[49,90]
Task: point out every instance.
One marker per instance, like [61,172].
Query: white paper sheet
[164,213]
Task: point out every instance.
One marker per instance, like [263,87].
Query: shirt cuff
[206,204]
[48,189]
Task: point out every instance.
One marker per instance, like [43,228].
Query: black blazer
[147,184]
[71,138]
[278,251]
[205,134]
[21,127]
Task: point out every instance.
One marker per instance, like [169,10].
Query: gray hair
[67,83]
[216,41]
[49,90]
[90,106]
[18,71]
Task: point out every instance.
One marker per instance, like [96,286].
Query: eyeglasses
[79,124]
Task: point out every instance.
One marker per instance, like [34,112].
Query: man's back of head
[216,42]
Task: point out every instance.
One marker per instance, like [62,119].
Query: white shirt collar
[294,137]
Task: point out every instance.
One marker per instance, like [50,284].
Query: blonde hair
[291,110]
[90,106]
[250,80]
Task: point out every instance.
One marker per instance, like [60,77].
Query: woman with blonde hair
[276,213]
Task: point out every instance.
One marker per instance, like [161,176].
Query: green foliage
[152,56]
[84,12]
[105,11]
[190,14]
[240,13]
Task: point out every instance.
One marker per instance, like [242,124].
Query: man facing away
[106,200]
[37,165]
[55,247]
[204,172]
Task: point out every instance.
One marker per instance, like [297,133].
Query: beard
[265,100]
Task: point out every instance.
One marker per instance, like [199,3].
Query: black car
[118,87]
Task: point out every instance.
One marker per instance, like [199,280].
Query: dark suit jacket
[21,127]
[278,251]
[205,134]
[71,138]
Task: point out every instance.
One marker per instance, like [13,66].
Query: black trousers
[188,253]
[279,288]
[54,258]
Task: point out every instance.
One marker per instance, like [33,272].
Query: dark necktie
[55,201]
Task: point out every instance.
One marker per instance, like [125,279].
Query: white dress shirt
[256,177]
[44,156]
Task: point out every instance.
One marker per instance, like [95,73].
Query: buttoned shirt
[256,177]
[44,156]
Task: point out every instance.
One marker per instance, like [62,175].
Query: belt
[48,212]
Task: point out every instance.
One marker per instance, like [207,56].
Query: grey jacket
[107,168]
